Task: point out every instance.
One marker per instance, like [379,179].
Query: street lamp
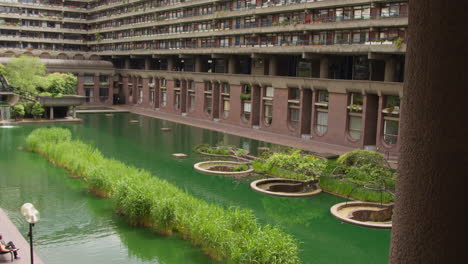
[32,216]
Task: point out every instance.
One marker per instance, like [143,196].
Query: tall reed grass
[145,200]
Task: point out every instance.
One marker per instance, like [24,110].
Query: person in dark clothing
[8,247]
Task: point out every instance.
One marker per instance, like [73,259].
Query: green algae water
[79,228]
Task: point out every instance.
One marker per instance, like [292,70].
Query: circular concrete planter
[204,167]
[264,185]
[346,212]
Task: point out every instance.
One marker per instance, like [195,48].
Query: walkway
[285,140]
[11,233]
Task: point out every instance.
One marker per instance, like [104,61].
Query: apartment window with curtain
[355,115]
[294,97]
[391,117]
[246,101]
[208,97]
[268,105]
[226,98]
[321,112]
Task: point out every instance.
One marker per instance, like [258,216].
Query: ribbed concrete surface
[11,233]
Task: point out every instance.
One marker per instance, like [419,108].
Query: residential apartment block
[323,70]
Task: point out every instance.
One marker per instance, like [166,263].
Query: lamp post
[32,216]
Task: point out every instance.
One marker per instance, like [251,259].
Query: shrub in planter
[18,111]
[37,111]
[360,157]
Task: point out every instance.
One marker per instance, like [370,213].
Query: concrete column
[147,64]
[390,67]
[273,66]
[51,113]
[127,63]
[80,87]
[74,112]
[170,63]
[232,65]
[198,64]
[428,226]
[324,65]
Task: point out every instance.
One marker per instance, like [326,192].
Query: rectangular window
[247,110]
[294,117]
[269,92]
[192,101]
[89,79]
[355,123]
[322,122]
[226,108]
[391,131]
[163,97]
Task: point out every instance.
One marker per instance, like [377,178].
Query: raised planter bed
[286,187]
[364,214]
[224,168]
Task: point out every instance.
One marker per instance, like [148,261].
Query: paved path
[11,233]
[285,140]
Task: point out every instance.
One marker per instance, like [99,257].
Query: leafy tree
[37,110]
[57,84]
[18,110]
[25,74]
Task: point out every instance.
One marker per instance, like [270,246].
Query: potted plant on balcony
[37,111]
[18,111]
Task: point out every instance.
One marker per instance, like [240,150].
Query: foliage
[371,175]
[98,37]
[303,166]
[360,157]
[242,167]
[349,189]
[219,149]
[60,83]
[245,96]
[145,200]
[28,75]
[399,42]
[25,74]
[18,110]
[37,110]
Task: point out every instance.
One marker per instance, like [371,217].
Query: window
[163,83]
[268,112]
[269,91]
[191,101]
[226,107]
[355,124]
[323,96]
[322,122]
[390,131]
[151,96]
[89,79]
[226,89]
[294,117]
[140,95]
[208,97]
[177,100]
[163,97]
[247,108]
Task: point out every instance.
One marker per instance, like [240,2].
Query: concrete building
[324,70]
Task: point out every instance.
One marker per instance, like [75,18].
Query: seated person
[8,247]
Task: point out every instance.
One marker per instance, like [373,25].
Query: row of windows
[390,113]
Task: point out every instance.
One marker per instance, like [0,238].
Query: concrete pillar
[170,63]
[51,113]
[324,65]
[273,66]
[428,226]
[390,67]
[232,65]
[198,64]
[147,64]
[74,112]
[127,63]
[80,87]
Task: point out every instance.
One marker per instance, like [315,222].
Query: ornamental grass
[231,234]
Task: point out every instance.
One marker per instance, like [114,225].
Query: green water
[79,228]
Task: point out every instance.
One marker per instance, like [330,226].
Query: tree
[25,73]
[60,83]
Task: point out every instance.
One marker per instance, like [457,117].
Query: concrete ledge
[342,211]
[43,121]
[11,233]
[255,186]
[203,168]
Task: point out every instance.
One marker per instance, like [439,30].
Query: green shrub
[219,149]
[18,110]
[242,167]
[360,157]
[37,110]
[145,200]
[303,166]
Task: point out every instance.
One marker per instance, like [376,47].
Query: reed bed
[231,234]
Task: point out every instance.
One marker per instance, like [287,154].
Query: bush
[37,110]
[18,110]
[145,200]
[303,166]
[360,157]
[219,149]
